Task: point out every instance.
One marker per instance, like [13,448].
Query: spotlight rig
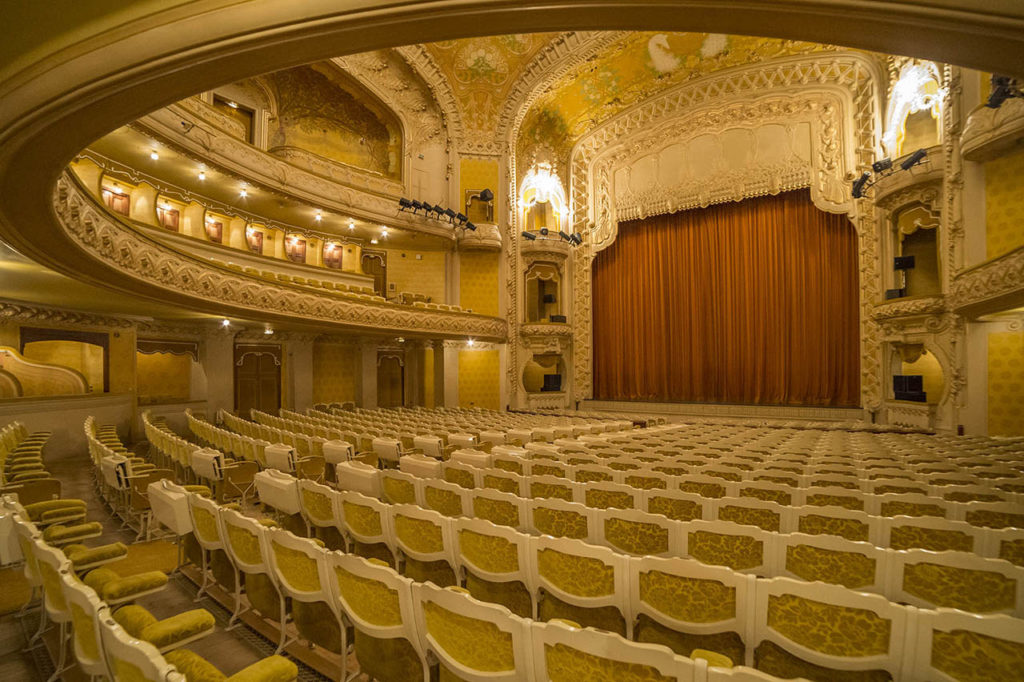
[435,211]
[883,168]
[574,239]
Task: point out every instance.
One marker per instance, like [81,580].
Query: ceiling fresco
[641,64]
[482,71]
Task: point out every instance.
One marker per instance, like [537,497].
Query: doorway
[390,381]
[257,379]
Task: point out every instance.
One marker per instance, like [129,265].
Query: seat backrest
[956,580]
[321,505]
[797,623]
[449,499]
[87,610]
[931,533]
[579,574]
[561,519]
[491,552]
[376,599]
[423,534]
[244,541]
[206,528]
[711,605]
[953,646]
[400,488]
[859,566]
[677,505]
[638,533]
[358,477]
[503,509]
[278,490]
[132,659]
[366,519]
[769,516]
[563,653]
[476,641]
[299,565]
[741,548]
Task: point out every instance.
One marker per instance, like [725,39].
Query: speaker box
[895,293]
[903,263]
[552,382]
[558,318]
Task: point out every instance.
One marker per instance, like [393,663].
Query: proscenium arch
[63,84]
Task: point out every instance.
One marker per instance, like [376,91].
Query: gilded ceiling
[482,71]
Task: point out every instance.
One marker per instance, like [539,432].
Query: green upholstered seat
[82,557]
[197,669]
[166,633]
[60,534]
[113,588]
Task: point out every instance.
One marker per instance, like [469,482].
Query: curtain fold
[754,302]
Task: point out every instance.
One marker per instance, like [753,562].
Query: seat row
[856,565]
[646,618]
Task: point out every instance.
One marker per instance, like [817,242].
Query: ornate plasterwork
[990,132]
[484,237]
[388,77]
[1000,278]
[149,261]
[37,314]
[563,53]
[320,182]
[931,305]
[837,93]
[421,61]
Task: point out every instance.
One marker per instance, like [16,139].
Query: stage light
[404,204]
[577,239]
[461,218]
[914,159]
[416,205]
[883,165]
[858,185]
[564,236]
[1002,90]
[544,232]
[486,195]
[438,210]
[470,226]
[529,236]
[450,214]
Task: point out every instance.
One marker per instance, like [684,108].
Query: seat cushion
[194,667]
[60,534]
[80,555]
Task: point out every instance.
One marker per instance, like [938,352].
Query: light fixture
[565,237]
[404,204]
[450,214]
[383,230]
[461,218]
[233,105]
[268,331]
[202,175]
[486,195]
[858,185]
[544,232]
[914,159]
[165,206]
[881,166]
[243,193]
[154,155]
[400,340]
[225,322]
[529,236]
[576,238]
[470,342]
[373,241]
[351,225]
[470,226]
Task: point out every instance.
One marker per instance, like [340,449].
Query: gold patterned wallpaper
[478,281]
[479,379]
[334,372]
[82,357]
[482,70]
[163,377]
[321,110]
[1004,204]
[417,272]
[1006,384]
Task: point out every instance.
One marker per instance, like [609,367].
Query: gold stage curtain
[754,302]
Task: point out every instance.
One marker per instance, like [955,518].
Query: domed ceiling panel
[482,71]
[321,111]
[641,64]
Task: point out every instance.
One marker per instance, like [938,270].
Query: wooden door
[257,379]
[376,263]
[390,381]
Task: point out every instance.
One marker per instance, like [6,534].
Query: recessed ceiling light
[351,226]
[225,322]
[373,241]
[268,331]
[243,193]
[319,216]
[154,155]
[202,175]
[470,342]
